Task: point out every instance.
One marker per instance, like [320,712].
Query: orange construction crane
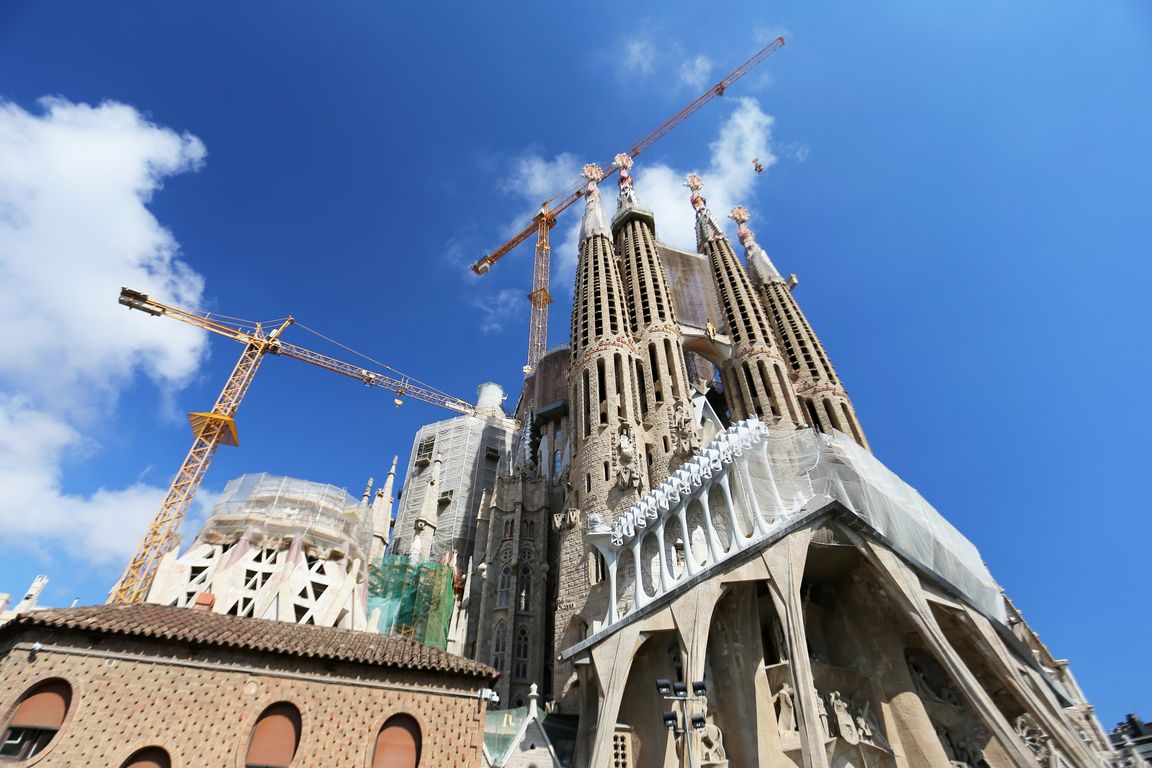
[217,427]
[543,221]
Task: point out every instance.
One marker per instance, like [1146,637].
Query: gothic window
[557,464]
[509,528]
[38,716]
[520,668]
[602,390]
[275,737]
[528,529]
[504,590]
[524,599]
[499,645]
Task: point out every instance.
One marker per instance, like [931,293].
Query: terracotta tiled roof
[206,629]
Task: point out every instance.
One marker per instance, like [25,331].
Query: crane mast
[543,221]
[217,427]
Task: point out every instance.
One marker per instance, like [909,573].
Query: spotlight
[670,720]
[680,690]
[699,689]
[698,722]
[663,687]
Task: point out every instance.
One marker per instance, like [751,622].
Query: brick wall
[201,705]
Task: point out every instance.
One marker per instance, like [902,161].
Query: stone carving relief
[785,710]
[845,723]
[711,741]
[683,431]
[1033,736]
[567,519]
[627,473]
[931,679]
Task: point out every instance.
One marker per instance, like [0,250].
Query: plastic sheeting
[284,505]
[414,599]
[912,526]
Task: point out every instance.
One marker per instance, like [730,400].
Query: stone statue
[711,740]
[626,474]
[844,722]
[822,712]
[682,432]
[786,710]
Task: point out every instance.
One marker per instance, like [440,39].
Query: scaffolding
[284,507]
[415,599]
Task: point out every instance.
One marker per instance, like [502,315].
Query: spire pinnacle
[593,223]
[627,197]
[761,267]
[706,227]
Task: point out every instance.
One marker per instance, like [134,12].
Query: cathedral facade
[692,551]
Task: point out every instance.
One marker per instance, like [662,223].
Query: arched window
[275,737]
[520,667]
[499,645]
[504,588]
[524,599]
[149,757]
[38,716]
[398,744]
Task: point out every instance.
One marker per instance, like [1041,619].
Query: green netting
[415,599]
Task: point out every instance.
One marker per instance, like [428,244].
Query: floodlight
[670,720]
[699,688]
[698,722]
[663,687]
[680,690]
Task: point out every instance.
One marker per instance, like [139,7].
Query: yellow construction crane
[543,221]
[217,427]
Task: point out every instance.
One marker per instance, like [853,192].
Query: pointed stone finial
[627,197]
[533,702]
[761,267]
[593,223]
[706,227]
[367,491]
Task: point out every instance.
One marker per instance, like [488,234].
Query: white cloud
[639,56]
[75,181]
[695,72]
[498,308]
[729,178]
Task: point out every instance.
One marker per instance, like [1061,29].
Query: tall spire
[707,229]
[662,375]
[823,402]
[760,267]
[429,517]
[593,223]
[753,376]
[382,514]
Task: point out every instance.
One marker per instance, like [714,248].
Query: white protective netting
[857,479]
[280,506]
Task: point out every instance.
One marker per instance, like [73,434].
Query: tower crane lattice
[543,221]
[217,427]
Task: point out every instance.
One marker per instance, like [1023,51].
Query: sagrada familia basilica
[694,554]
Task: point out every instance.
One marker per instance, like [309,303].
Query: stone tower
[822,397]
[607,472]
[429,518]
[755,383]
[665,399]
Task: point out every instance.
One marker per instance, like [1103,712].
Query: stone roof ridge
[208,629]
[712,458]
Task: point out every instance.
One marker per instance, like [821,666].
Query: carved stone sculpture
[626,471]
[844,722]
[785,710]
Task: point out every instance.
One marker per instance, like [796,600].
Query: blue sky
[962,189]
